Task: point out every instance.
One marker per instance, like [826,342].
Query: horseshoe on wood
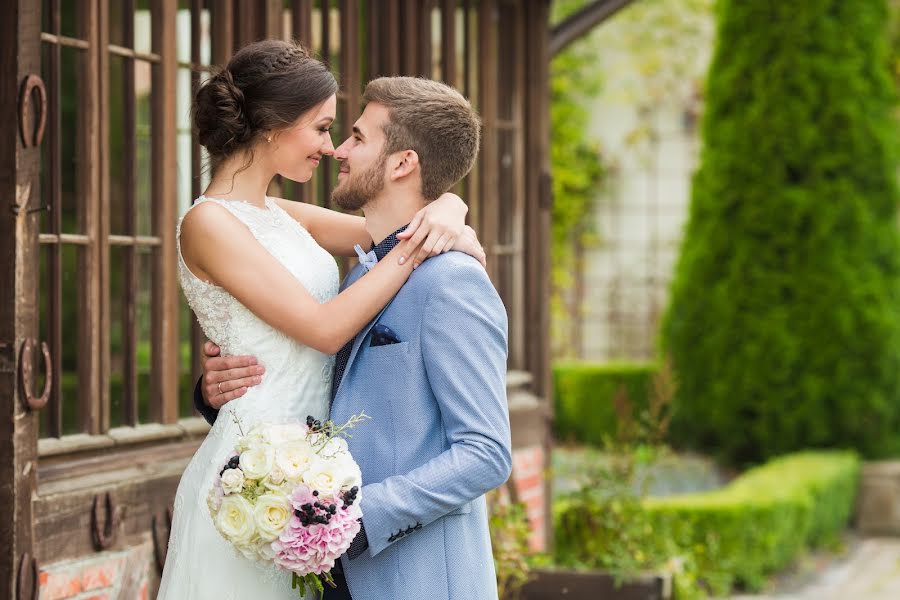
[105,530]
[32,136]
[26,371]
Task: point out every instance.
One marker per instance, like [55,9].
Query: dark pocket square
[383,336]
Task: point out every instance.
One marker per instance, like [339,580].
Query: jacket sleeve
[207,412]
[464,350]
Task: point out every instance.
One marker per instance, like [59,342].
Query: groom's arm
[206,411]
[464,348]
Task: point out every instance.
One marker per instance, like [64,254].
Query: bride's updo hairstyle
[266,86]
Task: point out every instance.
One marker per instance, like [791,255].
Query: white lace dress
[200,564]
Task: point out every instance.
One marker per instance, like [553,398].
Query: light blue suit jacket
[438,439]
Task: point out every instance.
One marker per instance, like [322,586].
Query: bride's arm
[217,246]
[441,224]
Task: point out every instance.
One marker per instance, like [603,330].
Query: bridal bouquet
[289,495]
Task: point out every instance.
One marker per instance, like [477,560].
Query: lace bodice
[293,371]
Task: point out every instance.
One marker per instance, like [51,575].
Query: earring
[269,139]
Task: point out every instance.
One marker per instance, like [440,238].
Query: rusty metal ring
[26,369]
[105,535]
[26,561]
[161,548]
[31,83]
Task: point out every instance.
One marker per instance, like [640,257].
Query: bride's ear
[405,163]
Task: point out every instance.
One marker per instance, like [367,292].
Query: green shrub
[732,536]
[783,324]
[761,521]
[584,397]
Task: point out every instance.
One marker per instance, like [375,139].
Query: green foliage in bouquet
[784,322]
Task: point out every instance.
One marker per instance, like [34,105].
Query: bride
[258,273]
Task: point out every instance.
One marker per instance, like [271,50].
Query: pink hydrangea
[314,548]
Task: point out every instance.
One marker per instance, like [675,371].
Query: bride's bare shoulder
[209,220]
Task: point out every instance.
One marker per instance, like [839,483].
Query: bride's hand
[440,225]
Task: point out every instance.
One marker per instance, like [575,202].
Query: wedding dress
[200,564]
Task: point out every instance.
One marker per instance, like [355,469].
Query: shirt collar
[387,244]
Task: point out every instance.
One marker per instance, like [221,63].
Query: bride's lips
[314,160]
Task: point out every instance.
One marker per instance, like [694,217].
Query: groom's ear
[404,163]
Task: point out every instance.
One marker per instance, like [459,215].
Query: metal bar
[423,14]
[390,36]
[448,42]
[220,39]
[102,252]
[129,53]
[193,66]
[582,22]
[90,301]
[325,54]
[487,92]
[54,414]
[373,16]
[130,258]
[135,240]
[409,39]
[467,48]
[222,17]
[350,77]
[301,20]
[517,324]
[61,40]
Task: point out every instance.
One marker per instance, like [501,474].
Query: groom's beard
[355,192]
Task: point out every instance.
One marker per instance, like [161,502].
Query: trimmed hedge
[783,324]
[761,521]
[754,526]
[584,393]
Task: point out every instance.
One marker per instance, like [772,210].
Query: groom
[430,369]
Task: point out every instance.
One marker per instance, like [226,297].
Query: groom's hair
[435,121]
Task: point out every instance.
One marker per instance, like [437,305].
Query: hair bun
[219,115]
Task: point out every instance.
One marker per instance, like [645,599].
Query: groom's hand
[227,378]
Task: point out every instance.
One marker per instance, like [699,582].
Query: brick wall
[528,471]
[120,575]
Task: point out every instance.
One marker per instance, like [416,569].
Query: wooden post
[538,213]
[165,355]
[20,56]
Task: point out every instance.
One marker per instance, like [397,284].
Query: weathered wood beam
[582,22]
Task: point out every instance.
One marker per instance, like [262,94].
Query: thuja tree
[784,321]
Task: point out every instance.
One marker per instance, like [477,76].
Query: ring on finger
[220,388]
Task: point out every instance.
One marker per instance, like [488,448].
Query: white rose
[335,447]
[235,520]
[294,458]
[321,476]
[284,432]
[349,475]
[257,462]
[346,471]
[276,475]
[232,481]
[254,439]
[272,515]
